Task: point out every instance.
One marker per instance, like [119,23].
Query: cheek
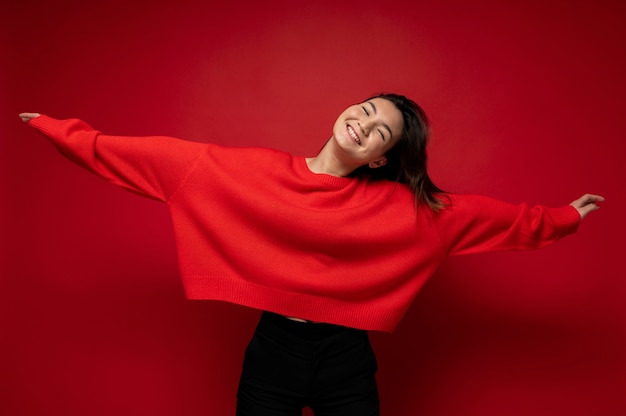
[338,126]
[381,151]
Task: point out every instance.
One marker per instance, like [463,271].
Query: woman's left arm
[478,224]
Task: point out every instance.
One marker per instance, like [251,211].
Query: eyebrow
[384,124]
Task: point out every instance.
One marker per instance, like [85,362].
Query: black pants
[290,365]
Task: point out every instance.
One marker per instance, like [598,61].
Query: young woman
[329,247]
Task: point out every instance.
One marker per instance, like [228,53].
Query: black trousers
[290,365]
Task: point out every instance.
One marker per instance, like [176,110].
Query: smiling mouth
[353,134]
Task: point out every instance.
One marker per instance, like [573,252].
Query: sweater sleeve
[150,166]
[477,224]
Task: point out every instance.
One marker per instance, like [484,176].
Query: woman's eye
[365,111]
[381,135]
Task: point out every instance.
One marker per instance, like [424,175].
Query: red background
[526,100]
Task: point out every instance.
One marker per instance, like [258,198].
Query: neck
[327,162]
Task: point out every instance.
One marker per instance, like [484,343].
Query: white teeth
[352,134]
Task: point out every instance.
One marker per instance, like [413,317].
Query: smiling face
[364,132]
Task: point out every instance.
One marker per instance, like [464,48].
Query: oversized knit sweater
[257,228]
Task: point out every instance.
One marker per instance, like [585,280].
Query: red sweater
[257,228]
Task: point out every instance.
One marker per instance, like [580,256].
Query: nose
[365,127]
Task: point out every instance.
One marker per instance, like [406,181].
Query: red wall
[526,100]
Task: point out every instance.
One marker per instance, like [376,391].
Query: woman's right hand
[26,117]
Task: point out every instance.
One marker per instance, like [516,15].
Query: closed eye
[367,113]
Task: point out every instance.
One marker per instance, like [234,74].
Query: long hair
[406,161]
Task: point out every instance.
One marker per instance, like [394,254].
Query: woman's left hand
[587,203]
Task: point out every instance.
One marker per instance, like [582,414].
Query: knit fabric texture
[256,227]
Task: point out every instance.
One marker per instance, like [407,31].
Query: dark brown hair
[406,161]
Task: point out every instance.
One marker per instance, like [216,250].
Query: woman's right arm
[151,166]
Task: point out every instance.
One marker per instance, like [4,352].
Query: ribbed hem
[358,314]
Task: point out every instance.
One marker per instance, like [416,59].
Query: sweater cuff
[43,124]
[566,219]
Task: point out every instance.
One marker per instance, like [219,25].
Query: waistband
[307,330]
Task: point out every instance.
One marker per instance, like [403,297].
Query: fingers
[587,203]
[26,117]
[587,199]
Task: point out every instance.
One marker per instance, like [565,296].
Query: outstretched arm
[151,166]
[587,203]
[478,224]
